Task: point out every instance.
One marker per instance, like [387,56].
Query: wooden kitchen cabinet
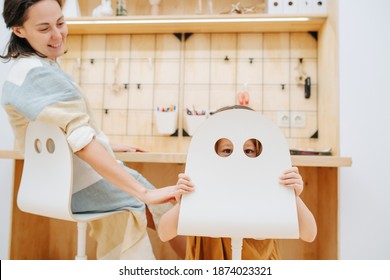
[35,237]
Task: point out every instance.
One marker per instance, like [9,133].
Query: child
[220,248]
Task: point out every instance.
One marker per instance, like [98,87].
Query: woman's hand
[117,147]
[184,185]
[292,179]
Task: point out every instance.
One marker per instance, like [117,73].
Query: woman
[37,89]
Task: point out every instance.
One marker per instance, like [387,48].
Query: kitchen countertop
[174,150]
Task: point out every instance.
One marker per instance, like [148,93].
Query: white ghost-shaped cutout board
[238,196]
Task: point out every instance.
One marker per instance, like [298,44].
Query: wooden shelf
[195,24]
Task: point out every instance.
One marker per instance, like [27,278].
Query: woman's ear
[18,31]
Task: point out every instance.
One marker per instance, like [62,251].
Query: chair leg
[81,241]
[236,248]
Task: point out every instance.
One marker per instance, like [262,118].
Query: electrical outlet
[284,119]
[298,119]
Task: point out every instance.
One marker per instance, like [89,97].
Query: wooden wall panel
[328,214]
[25,226]
[95,95]
[115,122]
[196,96]
[141,97]
[115,97]
[140,123]
[133,74]
[276,45]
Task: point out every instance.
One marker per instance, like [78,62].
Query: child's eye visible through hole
[227,151]
[224,147]
[250,152]
[252,148]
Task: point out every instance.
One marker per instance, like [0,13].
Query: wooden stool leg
[81,241]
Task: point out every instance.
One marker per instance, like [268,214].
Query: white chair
[47,180]
[246,191]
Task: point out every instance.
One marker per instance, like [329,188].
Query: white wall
[364,49]
[6,166]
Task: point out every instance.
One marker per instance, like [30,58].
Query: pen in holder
[194,119]
[166,120]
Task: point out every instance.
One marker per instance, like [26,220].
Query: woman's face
[45,29]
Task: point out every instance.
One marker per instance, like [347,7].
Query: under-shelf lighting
[177,21]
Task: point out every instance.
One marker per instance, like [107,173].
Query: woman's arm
[107,166]
[307,224]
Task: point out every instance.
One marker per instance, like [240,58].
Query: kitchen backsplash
[127,78]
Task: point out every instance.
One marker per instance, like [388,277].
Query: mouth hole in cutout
[252,148]
[224,147]
[38,146]
[50,146]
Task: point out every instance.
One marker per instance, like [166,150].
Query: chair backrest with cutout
[46,184]
[238,196]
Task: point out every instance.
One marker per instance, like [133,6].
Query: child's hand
[292,179]
[185,185]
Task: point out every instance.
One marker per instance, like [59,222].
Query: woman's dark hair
[15,14]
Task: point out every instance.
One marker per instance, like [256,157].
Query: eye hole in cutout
[38,146]
[50,145]
[252,148]
[224,147]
